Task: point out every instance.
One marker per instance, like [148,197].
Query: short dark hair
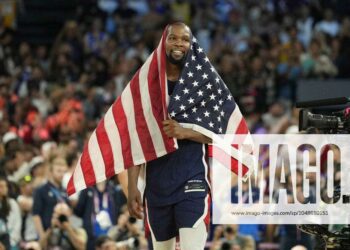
[178,23]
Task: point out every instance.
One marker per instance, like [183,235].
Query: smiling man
[176,194]
[165,118]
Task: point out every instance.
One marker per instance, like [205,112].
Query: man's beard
[179,62]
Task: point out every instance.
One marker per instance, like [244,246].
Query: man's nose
[178,42]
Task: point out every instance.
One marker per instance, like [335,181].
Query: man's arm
[173,129]
[38,225]
[134,196]
[123,181]
[76,236]
[37,211]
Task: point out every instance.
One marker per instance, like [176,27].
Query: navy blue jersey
[178,175]
[45,199]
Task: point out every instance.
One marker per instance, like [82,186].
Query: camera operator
[127,232]
[227,238]
[105,243]
[61,234]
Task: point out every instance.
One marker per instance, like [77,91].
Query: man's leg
[192,219]
[161,224]
[164,245]
[193,238]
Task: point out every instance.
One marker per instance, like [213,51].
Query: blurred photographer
[127,233]
[106,243]
[98,208]
[228,238]
[61,234]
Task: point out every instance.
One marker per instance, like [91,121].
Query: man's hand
[135,203]
[173,129]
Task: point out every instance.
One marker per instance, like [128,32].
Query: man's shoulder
[43,187]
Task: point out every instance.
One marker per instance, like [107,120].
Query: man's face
[58,171]
[177,43]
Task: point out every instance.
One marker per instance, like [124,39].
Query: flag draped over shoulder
[201,101]
[131,131]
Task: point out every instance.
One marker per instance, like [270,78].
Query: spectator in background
[10,218]
[127,231]
[329,25]
[62,235]
[63,70]
[70,36]
[11,143]
[124,12]
[181,10]
[343,58]
[48,195]
[262,49]
[105,243]
[305,25]
[316,64]
[98,208]
[227,238]
[95,39]
[38,171]
[25,202]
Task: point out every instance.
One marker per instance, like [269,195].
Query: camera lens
[62,218]
[229,230]
[225,246]
[136,242]
[132,220]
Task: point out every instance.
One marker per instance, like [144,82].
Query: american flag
[201,101]
[131,131]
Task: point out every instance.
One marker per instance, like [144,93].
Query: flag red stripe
[122,125]
[242,128]
[207,217]
[141,124]
[70,186]
[105,148]
[234,167]
[86,166]
[162,74]
[158,111]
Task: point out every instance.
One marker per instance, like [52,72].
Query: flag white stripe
[234,121]
[152,124]
[96,158]
[159,53]
[205,164]
[114,139]
[128,106]
[78,177]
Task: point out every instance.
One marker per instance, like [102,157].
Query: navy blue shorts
[164,222]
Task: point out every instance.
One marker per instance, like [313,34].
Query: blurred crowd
[52,96]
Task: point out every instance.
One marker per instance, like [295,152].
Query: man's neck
[173,71]
[55,183]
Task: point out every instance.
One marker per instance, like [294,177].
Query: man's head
[58,167]
[177,43]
